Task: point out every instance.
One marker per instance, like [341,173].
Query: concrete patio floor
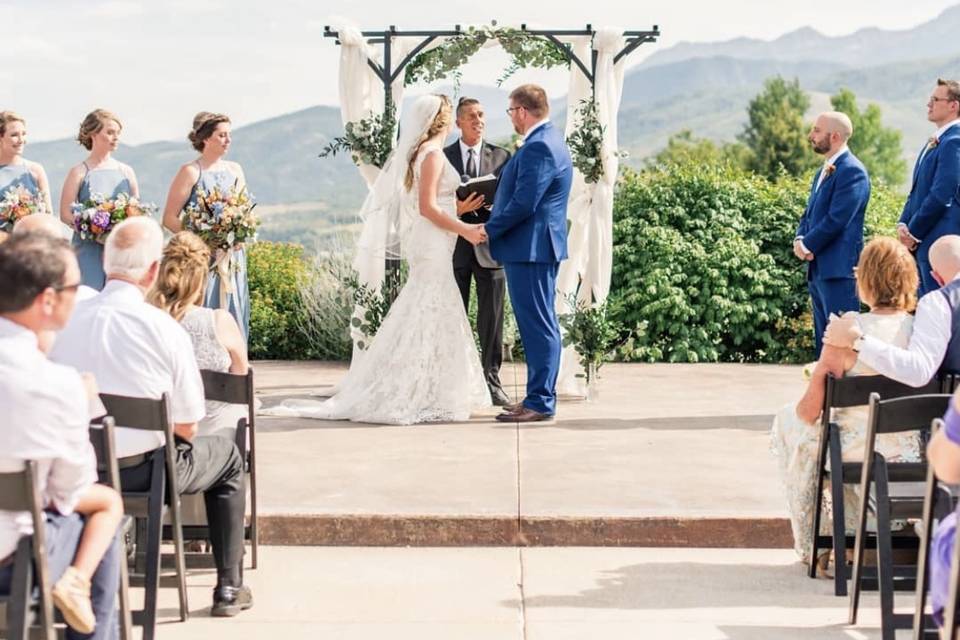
[527,594]
[671,455]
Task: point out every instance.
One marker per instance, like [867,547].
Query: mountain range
[704,87]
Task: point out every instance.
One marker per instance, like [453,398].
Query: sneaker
[229,601]
[71,595]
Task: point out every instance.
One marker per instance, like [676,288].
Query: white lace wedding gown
[422,365]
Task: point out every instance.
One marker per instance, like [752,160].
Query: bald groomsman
[830,236]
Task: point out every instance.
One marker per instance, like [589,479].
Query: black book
[484,185]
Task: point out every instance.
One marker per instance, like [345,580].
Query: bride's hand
[474,234]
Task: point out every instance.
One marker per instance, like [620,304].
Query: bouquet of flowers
[94,218]
[222,219]
[17,203]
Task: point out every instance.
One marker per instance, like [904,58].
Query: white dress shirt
[46,418]
[918,363]
[465,155]
[535,127]
[133,349]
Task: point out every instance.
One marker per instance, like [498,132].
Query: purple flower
[101,219]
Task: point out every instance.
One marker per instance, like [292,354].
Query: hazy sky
[157,62]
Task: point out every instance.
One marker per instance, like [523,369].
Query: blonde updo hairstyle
[7,118]
[887,275]
[440,123]
[93,124]
[204,124]
[183,275]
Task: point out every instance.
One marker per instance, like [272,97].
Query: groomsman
[472,156]
[932,209]
[830,235]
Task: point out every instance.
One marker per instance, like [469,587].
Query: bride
[422,365]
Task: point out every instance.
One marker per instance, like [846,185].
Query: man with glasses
[46,416]
[932,209]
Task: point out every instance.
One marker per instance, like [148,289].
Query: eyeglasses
[512,109]
[66,287]
[936,99]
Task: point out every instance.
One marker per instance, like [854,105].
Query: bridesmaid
[211,137]
[100,174]
[14,169]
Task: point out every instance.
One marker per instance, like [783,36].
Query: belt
[133,461]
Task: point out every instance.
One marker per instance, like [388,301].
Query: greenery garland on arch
[525,50]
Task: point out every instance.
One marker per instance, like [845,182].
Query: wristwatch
[857,344]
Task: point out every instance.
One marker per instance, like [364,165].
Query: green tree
[775,132]
[682,148]
[878,147]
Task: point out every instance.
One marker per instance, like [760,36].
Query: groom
[527,232]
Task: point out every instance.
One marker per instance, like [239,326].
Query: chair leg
[858,548]
[884,559]
[151,582]
[18,607]
[181,561]
[123,595]
[839,528]
[254,522]
[817,508]
[920,612]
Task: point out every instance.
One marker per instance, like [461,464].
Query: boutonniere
[829,170]
[518,143]
[933,143]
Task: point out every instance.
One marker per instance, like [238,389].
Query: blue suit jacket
[933,208]
[832,225]
[529,218]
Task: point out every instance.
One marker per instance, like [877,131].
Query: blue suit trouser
[63,537]
[927,283]
[833,295]
[533,292]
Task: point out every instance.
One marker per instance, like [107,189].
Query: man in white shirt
[935,341]
[47,414]
[134,349]
[932,209]
[473,157]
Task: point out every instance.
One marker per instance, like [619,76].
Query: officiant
[473,157]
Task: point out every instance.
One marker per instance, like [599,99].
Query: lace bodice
[200,324]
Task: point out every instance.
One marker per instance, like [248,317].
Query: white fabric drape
[590,208]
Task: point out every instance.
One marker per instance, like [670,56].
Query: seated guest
[944,454]
[47,410]
[134,349]
[886,281]
[217,341]
[933,346]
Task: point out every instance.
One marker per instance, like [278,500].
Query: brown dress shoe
[513,408]
[524,415]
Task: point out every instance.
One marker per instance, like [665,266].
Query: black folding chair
[150,506]
[235,389]
[102,439]
[842,393]
[891,491]
[937,504]
[19,491]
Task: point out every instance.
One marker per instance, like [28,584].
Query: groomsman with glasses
[474,157]
[932,209]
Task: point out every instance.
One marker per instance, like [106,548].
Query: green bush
[277,272]
[703,264]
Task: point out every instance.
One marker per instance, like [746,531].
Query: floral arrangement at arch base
[592,331]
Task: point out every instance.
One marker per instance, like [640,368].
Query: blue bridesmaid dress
[15,175]
[108,182]
[238,302]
